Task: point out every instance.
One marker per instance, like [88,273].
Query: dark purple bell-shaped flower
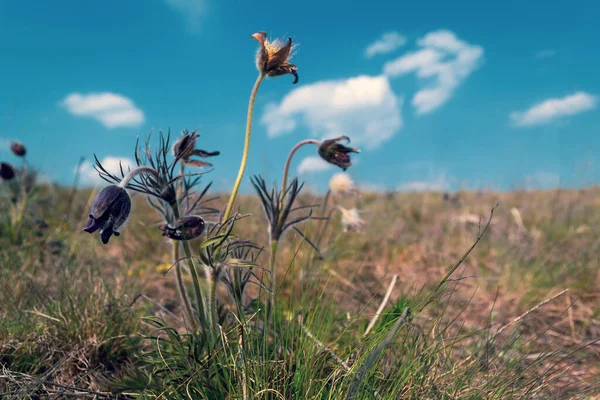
[185,228]
[6,171]
[18,149]
[336,153]
[110,211]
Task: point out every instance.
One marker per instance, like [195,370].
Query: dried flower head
[341,183]
[335,153]
[110,210]
[351,220]
[273,58]
[185,228]
[18,149]
[7,172]
[183,150]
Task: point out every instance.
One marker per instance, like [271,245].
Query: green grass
[73,323]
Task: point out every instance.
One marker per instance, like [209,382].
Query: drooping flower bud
[6,171]
[273,58]
[18,149]
[110,210]
[335,153]
[185,228]
[183,150]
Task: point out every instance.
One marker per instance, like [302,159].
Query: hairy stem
[286,170]
[137,171]
[273,279]
[238,181]
[185,299]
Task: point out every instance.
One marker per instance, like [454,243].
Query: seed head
[335,153]
[341,183]
[110,210]
[18,149]
[6,171]
[185,228]
[273,58]
[351,220]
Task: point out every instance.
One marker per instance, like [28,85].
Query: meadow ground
[519,318]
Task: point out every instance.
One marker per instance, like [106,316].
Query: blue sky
[438,95]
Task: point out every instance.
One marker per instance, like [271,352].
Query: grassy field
[518,318]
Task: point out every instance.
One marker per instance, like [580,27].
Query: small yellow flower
[273,58]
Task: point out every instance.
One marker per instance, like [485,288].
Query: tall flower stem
[286,170]
[137,171]
[185,300]
[273,278]
[201,302]
[238,181]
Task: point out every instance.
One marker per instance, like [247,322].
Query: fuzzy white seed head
[341,183]
[351,220]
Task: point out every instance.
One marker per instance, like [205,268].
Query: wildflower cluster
[169,177]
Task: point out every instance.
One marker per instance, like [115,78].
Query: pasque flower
[110,210]
[18,149]
[6,171]
[273,58]
[185,228]
[335,153]
[184,150]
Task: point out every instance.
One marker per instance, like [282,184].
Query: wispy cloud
[89,176]
[444,62]
[363,108]
[543,180]
[547,53]
[424,186]
[312,164]
[552,109]
[191,10]
[387,43]
[110,109]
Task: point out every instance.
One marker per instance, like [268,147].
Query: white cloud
[192,10]
[387,43]
[547,53]
[424,186]
[552,109]
[89,175]
[112,110]
[444,61]
[363,108]
[313,164]
[543,180]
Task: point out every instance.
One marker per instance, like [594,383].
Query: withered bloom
[183,150]
[273,58]
[110,210]
[335,153]
[6,171]
[18,149]
[185,228]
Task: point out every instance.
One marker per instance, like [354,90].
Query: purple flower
[110,210]
[6,171]
[185,228]
[184,149]
[336,153]
[18,149]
